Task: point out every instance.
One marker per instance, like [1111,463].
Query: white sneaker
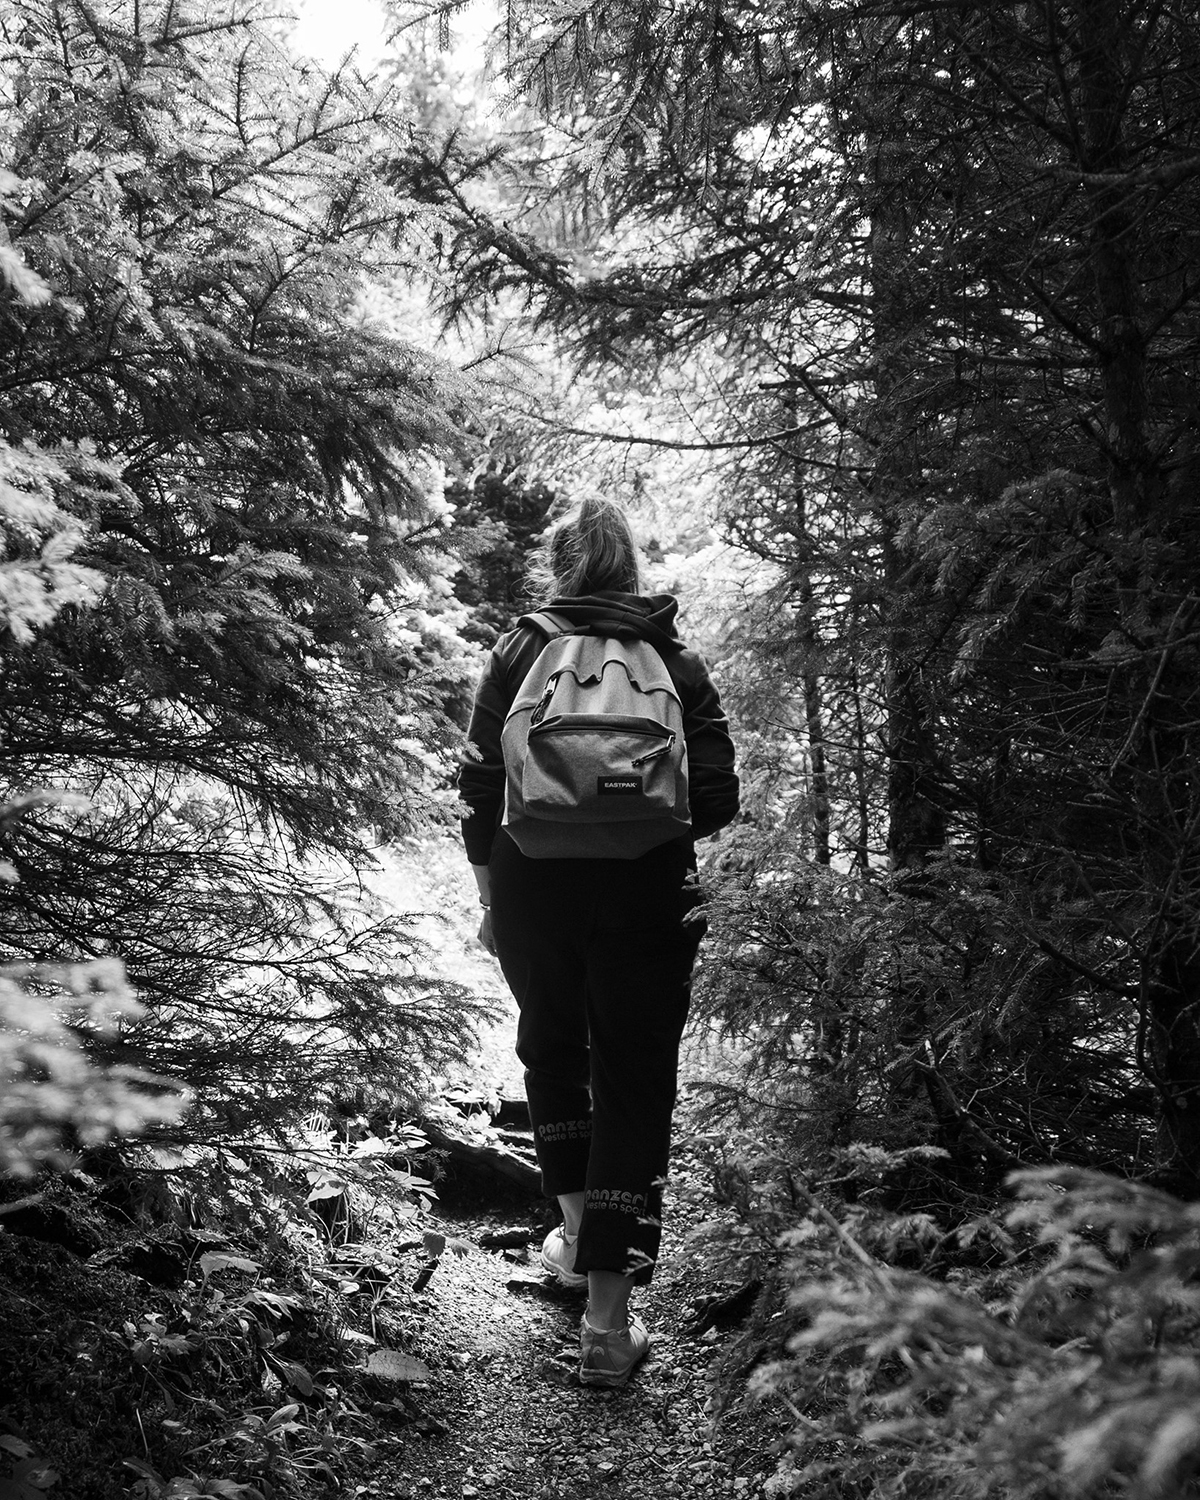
[558,1257]
[608,1356]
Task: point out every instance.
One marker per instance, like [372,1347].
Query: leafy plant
[1071,1370]
[233,1331]
[31,1476]
[54,1097]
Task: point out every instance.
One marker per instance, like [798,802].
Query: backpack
[594,750]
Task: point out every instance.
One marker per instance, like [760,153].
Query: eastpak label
[618,786]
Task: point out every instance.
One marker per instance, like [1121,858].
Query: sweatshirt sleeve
[481,769]
[712,781]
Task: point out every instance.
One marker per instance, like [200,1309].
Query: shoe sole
[611,1380]
[568,1279]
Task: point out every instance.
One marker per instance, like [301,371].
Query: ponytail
[591,549]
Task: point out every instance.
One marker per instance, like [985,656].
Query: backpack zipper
[543,703]
[668,735]
[655,754]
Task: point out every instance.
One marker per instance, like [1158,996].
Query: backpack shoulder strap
[550,624]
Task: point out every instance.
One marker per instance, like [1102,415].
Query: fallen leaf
[220,1260]
[390,1364]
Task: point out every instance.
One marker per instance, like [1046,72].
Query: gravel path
[501,1340]
[504,1414]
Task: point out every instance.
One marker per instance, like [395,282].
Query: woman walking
[597,951]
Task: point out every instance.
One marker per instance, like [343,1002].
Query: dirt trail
[502,1343]
[510,1419]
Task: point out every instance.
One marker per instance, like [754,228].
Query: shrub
[1073,1370]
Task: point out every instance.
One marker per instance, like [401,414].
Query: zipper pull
[543,703]
[654,754]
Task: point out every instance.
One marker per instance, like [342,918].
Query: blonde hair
[589,550]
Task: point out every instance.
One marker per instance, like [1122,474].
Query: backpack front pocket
[600,768]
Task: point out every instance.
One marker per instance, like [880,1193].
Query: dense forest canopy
[885,321]
[932,271]
[230,460]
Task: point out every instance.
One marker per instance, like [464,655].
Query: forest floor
[510,1418]
[141,1357]
[503,1337]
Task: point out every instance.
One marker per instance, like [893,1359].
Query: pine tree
[942,262]
[241,698]
[506,517]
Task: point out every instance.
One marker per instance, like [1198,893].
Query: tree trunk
[1158,749]
[862,797]
[815,729]
[916,821]
[810,680]
[1172,995]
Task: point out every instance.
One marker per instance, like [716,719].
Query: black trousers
[599,955]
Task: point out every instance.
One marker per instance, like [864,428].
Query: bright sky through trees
[327,29]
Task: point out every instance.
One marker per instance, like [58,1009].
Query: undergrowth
[236,1350]
[1046,1352]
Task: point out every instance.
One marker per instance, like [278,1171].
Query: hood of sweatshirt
[645,617]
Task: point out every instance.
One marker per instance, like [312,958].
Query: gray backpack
[594,751]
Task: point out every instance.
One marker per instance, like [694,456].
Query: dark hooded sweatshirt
[712,783]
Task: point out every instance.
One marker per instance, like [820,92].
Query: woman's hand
[485,932]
